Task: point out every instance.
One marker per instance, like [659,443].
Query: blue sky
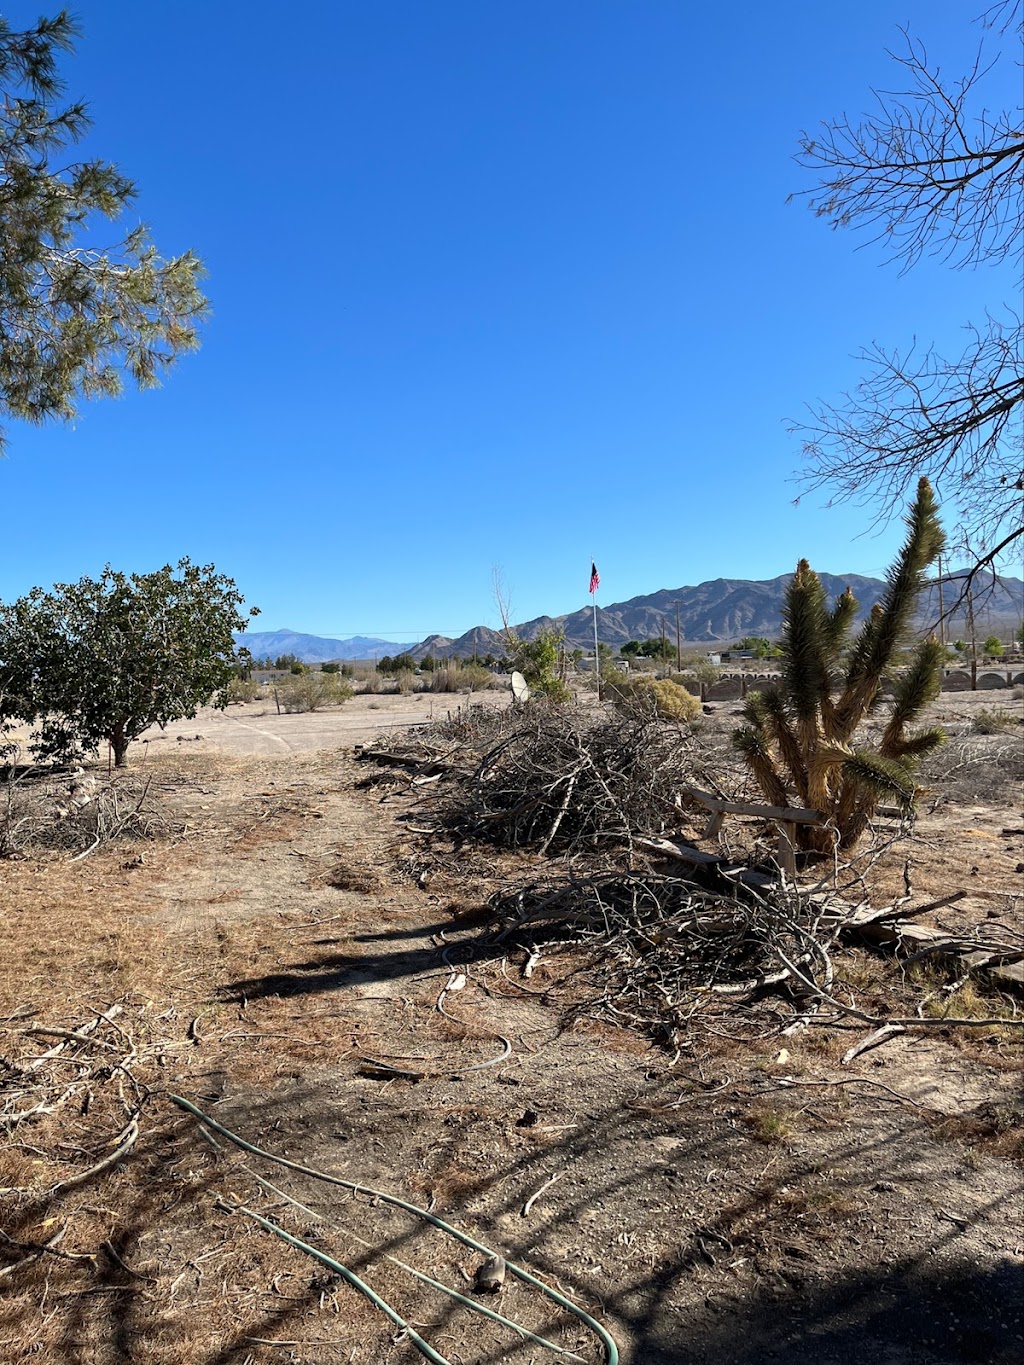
[493,284]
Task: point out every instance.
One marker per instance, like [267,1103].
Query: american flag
[595,577]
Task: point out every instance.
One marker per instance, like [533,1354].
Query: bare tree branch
[924,172]
[957,421]
[932,171]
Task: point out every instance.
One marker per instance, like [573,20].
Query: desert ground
[279,932]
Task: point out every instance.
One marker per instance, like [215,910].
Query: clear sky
[494,284]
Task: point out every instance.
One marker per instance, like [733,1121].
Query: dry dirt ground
[749,1199]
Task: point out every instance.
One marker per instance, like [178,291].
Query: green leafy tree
[799,739]
[630,649]
[994,647]
[330,668]
[104,659]
[73,319]
[401,663]
[657,649]
[284,663]
[759,646]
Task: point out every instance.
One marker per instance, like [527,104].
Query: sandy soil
[732,1203]
[257,728]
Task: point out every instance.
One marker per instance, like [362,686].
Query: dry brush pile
[72,812]
[602,805]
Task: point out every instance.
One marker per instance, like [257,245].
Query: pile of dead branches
[73,812]
[664,942]
[665,949]
[51,1077]
[669,931]
[561,780]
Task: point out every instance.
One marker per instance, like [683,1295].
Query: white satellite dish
[520,690]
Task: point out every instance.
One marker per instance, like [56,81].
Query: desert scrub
[311,691]
[455,676]
[242,689]
[669,699]
[993,720]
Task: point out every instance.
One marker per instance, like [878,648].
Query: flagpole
[597,655]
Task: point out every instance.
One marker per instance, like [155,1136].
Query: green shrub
[675,702]
[311,691]
[701,668]
[538,661]
[330,668]
[669,699]
[242,689]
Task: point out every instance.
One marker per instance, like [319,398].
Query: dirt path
[257,728]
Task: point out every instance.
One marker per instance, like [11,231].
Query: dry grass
[769,1125]
[81,936]
[346,876]
[225,951]
[995,720]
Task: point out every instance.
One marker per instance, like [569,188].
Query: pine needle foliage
[800,735]
[74,317]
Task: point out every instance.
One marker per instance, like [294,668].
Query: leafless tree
[932,172]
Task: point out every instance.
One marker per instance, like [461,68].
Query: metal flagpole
[597,656]
[595,583]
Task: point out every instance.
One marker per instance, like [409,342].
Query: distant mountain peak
[313,649]
[717,612]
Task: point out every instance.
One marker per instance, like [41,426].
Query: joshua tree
[799,739]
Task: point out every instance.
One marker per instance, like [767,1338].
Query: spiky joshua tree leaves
[800,735]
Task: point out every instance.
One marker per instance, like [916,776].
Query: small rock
[490,1277]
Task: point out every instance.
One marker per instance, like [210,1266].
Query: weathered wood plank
[795,815]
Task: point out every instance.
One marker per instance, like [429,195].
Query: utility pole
[679,647]
[942,614]
[664,643]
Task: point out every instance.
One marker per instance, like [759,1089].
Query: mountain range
[313,649]
[716,613]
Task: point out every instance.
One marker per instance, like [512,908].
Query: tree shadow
[338,970]
[935,1305]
